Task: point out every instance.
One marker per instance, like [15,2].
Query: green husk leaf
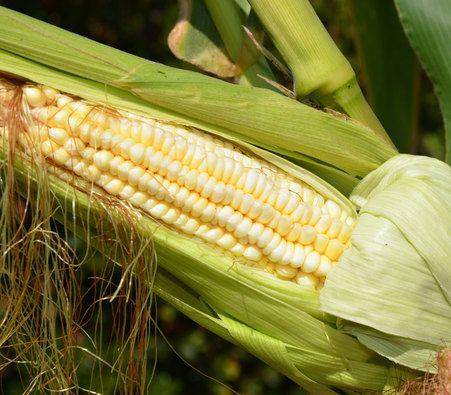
[406,203]
[412,353]
[390,69]
[428,28]
[257,116]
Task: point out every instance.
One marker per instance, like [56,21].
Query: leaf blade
[428,27]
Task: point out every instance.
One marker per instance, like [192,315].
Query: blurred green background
[141,27]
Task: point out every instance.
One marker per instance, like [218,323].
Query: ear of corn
[278,320]
[195,184]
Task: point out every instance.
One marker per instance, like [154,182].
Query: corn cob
[195,183]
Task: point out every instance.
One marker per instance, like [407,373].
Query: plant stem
[319,69]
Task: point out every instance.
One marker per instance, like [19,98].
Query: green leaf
[428,26]
[389,67]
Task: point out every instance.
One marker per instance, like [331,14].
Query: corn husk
[402,243]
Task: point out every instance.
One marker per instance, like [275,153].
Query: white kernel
[209,187]
[218,192]
[306,280]
[127,192]
[286,272]
[246,203]
[308,235]
[274,242]
[260,187]
[224,214]
[311,262]
[294,233]
[35,97]
[138,199]
[58,135]
[237,199]
[208,214]
[168,143]
[74,146]
[255,232]
[251,181]
[243,227]
[321,242]
[345,233]
[252,253]
[323,223]
[137,153]
[211,160]
[284,225]
[227,241]
[114,186]
[316,215]
[334,249]
[171,216]
[238,249]
[282,200]
[229,165]
[265,238]
[213,235]
[335,228]
[324,267]
[61,156]
[135,175]
[278,252]
[124,169]
[333,208]
[159,210]
[288,255]
[234,221]
[198,207]
[298,256]
[49,93]
[267,214]
[174,170]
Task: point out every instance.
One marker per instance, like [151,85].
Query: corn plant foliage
[428,27]
[390,68]
[256,115]
[409,269]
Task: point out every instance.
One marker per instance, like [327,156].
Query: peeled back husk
[399,263]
